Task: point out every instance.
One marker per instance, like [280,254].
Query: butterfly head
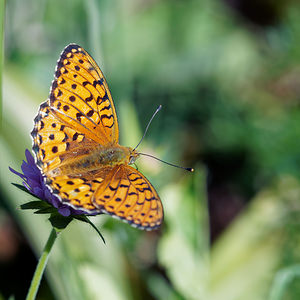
[133,155]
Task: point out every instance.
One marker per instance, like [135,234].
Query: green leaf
[282,280]
[23,188]
[47,210]
[59,222]
[20,186]
[85,219]
[39,204]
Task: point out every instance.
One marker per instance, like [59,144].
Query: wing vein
[69,125]
[83,114]
[88,71]
[80,98]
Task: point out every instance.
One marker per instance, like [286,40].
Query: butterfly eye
[132,160]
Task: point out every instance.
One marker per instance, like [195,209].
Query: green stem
[36,280]
[2,20]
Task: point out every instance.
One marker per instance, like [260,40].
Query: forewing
[79,115]
[80,96]
[55,142]
[128,195]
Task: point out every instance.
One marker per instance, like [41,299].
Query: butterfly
[76,147]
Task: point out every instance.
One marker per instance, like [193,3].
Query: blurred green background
[227,73]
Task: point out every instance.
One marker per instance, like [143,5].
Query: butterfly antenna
[157,110]
[187,169]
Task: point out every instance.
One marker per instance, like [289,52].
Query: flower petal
[29,157]
[38,192]
[17,173]
[27,169]
[65,211]
[27,186]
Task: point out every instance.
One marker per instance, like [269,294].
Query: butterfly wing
[81,98]
[56,142]
[120,191]
[79,115]
[78,191]
[126,194]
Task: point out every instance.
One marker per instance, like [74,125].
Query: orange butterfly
[76,146]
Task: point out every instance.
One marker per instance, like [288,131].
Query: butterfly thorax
[102,156]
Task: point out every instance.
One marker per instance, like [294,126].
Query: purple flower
[34,183]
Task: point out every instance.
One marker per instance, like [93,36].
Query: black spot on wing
[98,82]
[78,116]
[62,81]
[105,107]
[105,97]
[136,178]
[104,116]
[90,113]
[132,193]
[54,149]
[99,100]
[112,188]
[124,186]
[75,136]
[65,138]
[90,98]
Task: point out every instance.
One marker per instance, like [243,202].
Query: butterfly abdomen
[97,159]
